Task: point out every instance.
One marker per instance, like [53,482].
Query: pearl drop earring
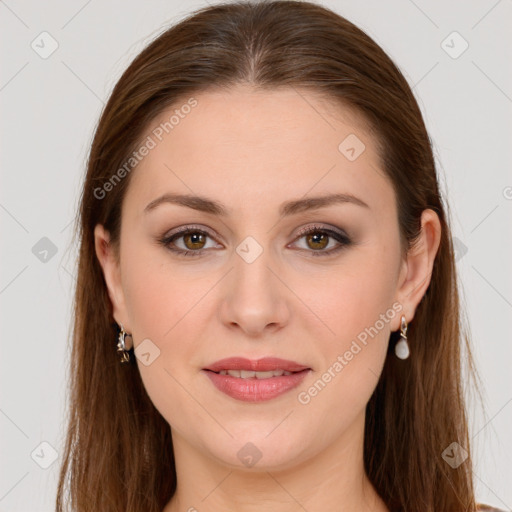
[402,347]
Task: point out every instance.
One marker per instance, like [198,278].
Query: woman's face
[247,283]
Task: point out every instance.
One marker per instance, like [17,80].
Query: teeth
[247,374]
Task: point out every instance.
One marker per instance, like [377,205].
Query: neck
[333,479]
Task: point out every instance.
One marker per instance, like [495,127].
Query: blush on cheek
[156,302]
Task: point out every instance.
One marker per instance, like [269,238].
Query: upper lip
[264,364]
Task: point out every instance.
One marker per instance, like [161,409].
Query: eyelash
[341,238]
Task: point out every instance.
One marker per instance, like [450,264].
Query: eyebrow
[206,205]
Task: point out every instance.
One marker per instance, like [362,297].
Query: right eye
[193,239]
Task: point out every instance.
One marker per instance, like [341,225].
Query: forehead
[252,148]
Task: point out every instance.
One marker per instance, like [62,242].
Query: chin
[260,451]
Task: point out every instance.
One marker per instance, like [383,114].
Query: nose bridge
[252,274]
[255,297]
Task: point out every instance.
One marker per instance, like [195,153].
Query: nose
[255,300]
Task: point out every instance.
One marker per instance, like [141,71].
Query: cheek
[159,295]
[350,298]
[352,360]
[165,308]
[168,306]
[357,308]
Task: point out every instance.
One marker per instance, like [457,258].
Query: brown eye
[317,240]
[188,241]
[191,241]
[194,240]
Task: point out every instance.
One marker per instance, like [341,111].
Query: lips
[266,364]
[256,380]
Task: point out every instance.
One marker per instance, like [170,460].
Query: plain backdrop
[456,55]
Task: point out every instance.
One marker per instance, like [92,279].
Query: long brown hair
[118,452]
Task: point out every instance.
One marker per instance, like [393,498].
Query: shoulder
[487,508]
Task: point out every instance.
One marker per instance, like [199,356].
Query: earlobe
[419,264]
[111,273]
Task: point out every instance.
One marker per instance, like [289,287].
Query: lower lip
[253,389]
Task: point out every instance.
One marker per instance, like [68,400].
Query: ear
[112,275]
[416,271]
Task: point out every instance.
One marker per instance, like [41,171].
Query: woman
[266,311]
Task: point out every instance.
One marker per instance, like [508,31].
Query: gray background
[49,110]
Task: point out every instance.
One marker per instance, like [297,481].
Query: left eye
[317,238]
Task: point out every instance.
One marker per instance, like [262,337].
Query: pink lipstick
[255,380]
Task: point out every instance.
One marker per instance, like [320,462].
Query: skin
[252,151]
